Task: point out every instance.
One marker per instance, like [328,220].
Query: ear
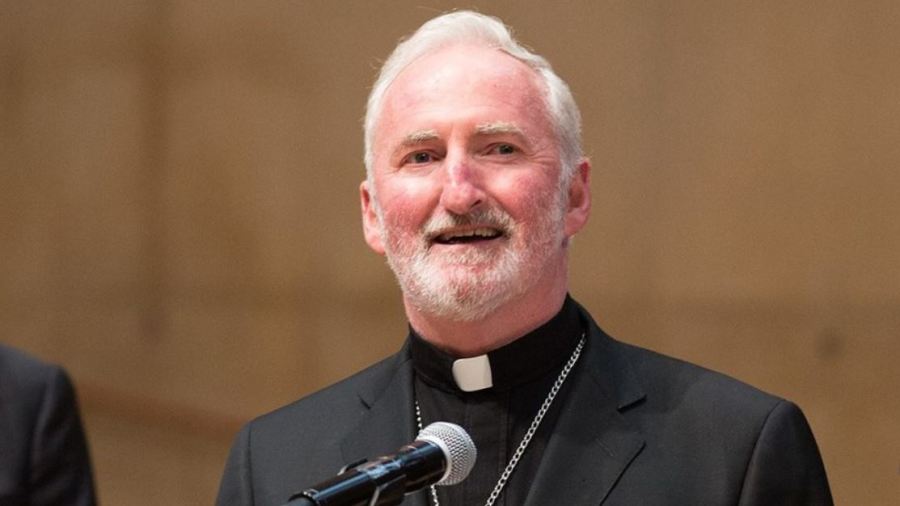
[579,208]
[371,226]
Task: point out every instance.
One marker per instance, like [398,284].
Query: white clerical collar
[473,374]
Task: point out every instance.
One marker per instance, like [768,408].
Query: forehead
[462,82]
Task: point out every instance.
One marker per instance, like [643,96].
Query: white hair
[467,27]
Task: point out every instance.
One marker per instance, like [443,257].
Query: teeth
[478,232]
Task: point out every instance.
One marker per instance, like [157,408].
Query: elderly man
[476,184]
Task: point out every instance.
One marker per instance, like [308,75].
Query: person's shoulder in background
[43,453]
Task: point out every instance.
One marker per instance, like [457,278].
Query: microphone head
[457,446]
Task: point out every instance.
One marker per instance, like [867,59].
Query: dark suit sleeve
[60,471]
[785,468]
[236,488]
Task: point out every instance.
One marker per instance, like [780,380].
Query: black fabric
[524,360]
[43,455]
[497,418]
[635,427]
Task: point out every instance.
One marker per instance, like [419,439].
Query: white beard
[474,283]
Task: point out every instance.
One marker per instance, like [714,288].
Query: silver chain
[532,429]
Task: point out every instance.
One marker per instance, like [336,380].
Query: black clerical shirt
[498,417]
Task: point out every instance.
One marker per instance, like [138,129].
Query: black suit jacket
[43,455]
[637,428]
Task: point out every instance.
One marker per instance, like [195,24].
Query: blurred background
[179,217]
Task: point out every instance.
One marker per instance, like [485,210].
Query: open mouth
[468,236]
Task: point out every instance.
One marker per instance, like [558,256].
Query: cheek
[526,198]
[405,206]
[402,219]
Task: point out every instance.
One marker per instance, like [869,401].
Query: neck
[508,323]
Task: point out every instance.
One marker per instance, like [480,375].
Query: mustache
[493,217]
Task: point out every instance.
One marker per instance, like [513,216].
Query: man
[43,454]
[476,184]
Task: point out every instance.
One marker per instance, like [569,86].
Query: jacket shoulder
[759,445]
[671,381]
[27,380]
[349,396]
[300,442]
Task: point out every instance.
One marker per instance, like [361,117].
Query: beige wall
[178,194]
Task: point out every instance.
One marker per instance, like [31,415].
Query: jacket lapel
[592,444]
[389,421]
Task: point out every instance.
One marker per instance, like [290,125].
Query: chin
[468,287]
[466,296]
[458,310]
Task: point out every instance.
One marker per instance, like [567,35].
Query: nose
[462,191]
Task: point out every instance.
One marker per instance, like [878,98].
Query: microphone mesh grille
[462,449]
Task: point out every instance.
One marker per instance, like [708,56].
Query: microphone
[442,454]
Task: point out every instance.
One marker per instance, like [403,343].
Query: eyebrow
[499,127]
[418,137]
